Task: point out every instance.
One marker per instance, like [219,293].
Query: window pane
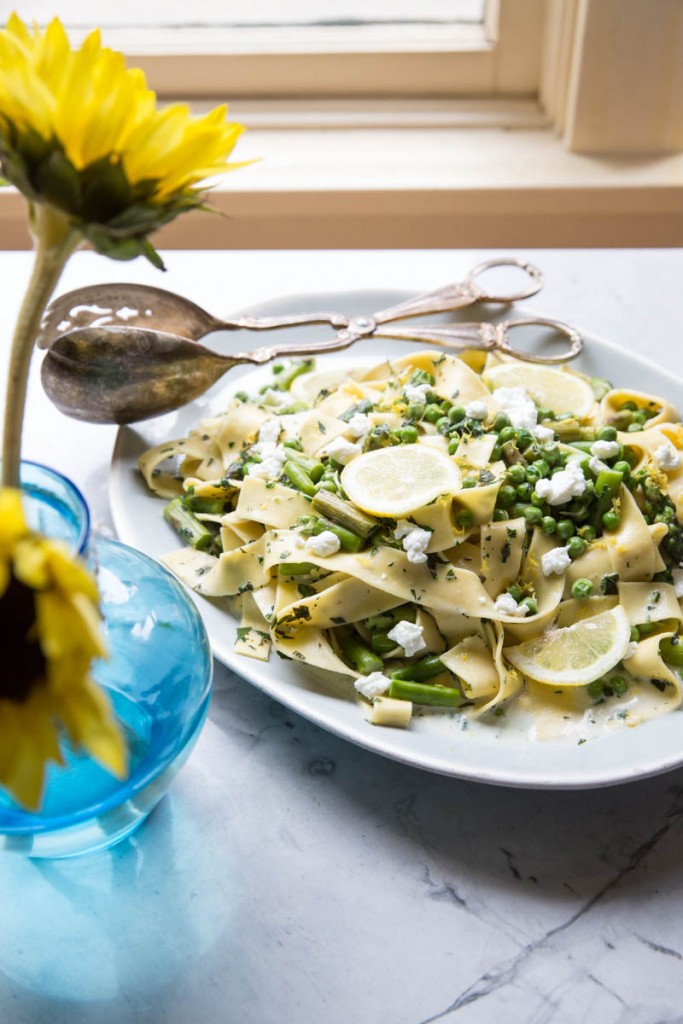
[263,13]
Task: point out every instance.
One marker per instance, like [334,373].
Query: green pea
[516,474]
[611,520]
[565,529]
[496,453]
[640,416]
[551,454]
[582,588]
[432,412]
[622,467]
[524,439]
[500,515]
[453,446]
[532,515]
[501,420]
[533,475]
[506,434]
[537,500]
[545,414]
[586,531]
[618,686]
[542,465]
[464,518]
[456,414]
[524,491]
[576,547]
[415,411]
[607,434]
[531,605]
[468,482]
[632,428]
[515,592]
[548,524]
[443,424]
[506,496]
[671,650]
[630,406]
[517,510]
[407,434]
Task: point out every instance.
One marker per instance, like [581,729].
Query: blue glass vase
[158,678]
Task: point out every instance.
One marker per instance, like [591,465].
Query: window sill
[412,176]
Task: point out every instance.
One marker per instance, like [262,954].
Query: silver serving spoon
[137,305]
[125,374]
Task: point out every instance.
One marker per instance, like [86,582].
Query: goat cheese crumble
[269,433]
[408,635]
[667,457]
[506,605]
[605,449]
[555,561]
[477,410]
[373,685]
[568,483]
[415,540]
[342,450]
[416,392]
[518,407]
[358,425]
[323,544]
[273,459]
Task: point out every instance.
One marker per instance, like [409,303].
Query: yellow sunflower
[81,132]
[82,138]
[49,635]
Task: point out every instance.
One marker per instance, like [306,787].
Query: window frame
[502,57]
[416,171]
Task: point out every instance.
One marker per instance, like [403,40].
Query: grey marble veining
[291,876]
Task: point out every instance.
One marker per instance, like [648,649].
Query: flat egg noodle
[502,549]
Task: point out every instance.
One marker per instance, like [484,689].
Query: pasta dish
[467,535]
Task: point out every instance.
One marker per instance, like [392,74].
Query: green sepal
[15,172]
[115,248]
[150,253]
[106,192]
[32,147]
[57,181]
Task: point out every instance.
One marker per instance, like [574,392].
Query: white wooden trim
[558,50]
[625,91]
[368,74]
[420,188]
[518,32]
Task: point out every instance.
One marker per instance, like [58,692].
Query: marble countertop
[291,876]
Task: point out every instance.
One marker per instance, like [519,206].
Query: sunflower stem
[54,241]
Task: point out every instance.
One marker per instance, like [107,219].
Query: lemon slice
[395,481]
[558,390]
[575,655]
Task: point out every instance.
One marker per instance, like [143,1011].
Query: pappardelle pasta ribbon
[469,533]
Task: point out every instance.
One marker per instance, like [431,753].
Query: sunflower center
[22,661]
